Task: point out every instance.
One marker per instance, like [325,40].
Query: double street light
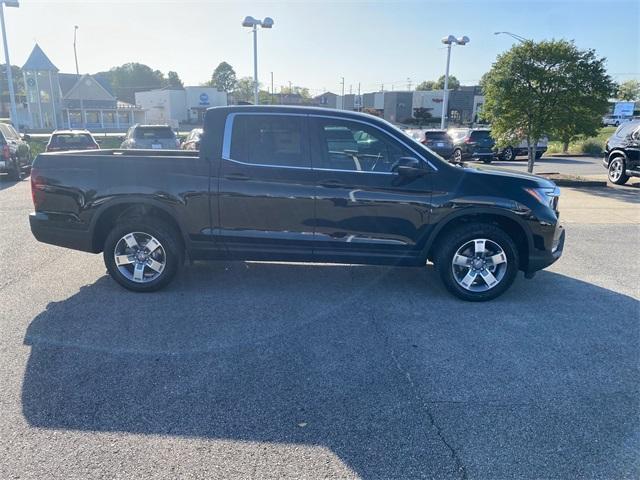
[12,95]
[253,23]
[449,41]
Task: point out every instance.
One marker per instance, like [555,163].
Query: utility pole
[359,99]
[342,99]
[12,95]
[272,88]
[408,83]
[382,87]
[75,55]
[290,89]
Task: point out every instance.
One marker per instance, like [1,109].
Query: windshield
[153,133]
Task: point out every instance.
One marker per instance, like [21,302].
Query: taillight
[468,140]
[36,188]
[6,153]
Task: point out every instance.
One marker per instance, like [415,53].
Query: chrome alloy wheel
[479,265]
[140,257]
[615,169]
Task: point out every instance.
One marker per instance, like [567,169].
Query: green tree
[223,78]
[426,85]
[536,88]
[454,83]
[173,80]
[629,91]
[130,78]
[243,90]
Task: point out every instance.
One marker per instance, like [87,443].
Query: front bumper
[47,231]
[539,259]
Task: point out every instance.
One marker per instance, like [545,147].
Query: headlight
[546,196]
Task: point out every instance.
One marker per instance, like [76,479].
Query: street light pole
[449,41]
[253,24]
[12,95]
[517,37]
[445,97]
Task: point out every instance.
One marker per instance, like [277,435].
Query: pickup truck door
[266,186]
[363,207]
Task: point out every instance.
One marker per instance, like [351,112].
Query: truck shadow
[313,355]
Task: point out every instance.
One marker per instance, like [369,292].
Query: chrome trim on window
[228,128]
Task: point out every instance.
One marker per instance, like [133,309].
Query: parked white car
[511,152]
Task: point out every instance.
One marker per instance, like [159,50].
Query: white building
[179,106]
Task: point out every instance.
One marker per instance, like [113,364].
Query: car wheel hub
[479,265]
[140,257]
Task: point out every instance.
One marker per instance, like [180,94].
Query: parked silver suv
[151,137]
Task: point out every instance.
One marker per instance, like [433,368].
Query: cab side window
[354,146]
[272,140]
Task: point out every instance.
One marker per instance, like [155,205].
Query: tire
[508,154]
[615,172]
[461,244]
[457,156]
[487,160]
[539,155]
[139,269]
[15,174]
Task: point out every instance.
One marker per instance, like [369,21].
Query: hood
[525,179]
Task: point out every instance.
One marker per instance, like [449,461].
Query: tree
[454,83]
[538,88]
[173,80]
[223,78]
[130,78]
[629,91]
[243,90]
[426,85]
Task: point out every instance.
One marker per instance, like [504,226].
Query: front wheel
[457,155]
[477,262]
[142,255]
[616,171]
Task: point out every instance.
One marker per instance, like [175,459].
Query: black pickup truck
[297,184]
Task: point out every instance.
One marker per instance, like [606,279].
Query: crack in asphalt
[424,404]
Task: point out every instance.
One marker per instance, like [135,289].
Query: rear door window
[274,140]
[72,140]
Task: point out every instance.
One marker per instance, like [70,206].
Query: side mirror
[26,137]
[408,167]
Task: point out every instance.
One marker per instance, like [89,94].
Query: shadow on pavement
[5,183]
[355,359]
[625,194]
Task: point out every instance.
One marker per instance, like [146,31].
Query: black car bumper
[539,259]
[48,231]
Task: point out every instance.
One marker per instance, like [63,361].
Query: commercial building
[175,106]
[65,100]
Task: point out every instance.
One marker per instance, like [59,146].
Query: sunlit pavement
[258,370]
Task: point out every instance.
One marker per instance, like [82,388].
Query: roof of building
[38,60]
[69,80]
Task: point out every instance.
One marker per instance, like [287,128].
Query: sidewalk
[600,206]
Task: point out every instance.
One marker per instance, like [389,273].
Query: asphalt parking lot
[263,370]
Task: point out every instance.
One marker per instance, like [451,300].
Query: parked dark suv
[472,143]
[15,157]
[622,153]
[297,184]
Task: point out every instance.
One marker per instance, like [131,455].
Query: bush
[591,147]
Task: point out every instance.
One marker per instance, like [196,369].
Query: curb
[565,182]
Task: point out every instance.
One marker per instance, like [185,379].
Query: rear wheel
[477,261]
[142,255]
[14,173]
[457,155]
[616,171]
[508,154]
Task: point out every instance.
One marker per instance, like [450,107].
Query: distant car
[511,152]
[151,137]
[192,142]
[615,120]
[15,157]
[622,153]
[435,140]
[472,143]
[63,140]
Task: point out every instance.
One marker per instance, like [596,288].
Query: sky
[315,44]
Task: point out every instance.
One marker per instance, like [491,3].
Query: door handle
[237,176]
